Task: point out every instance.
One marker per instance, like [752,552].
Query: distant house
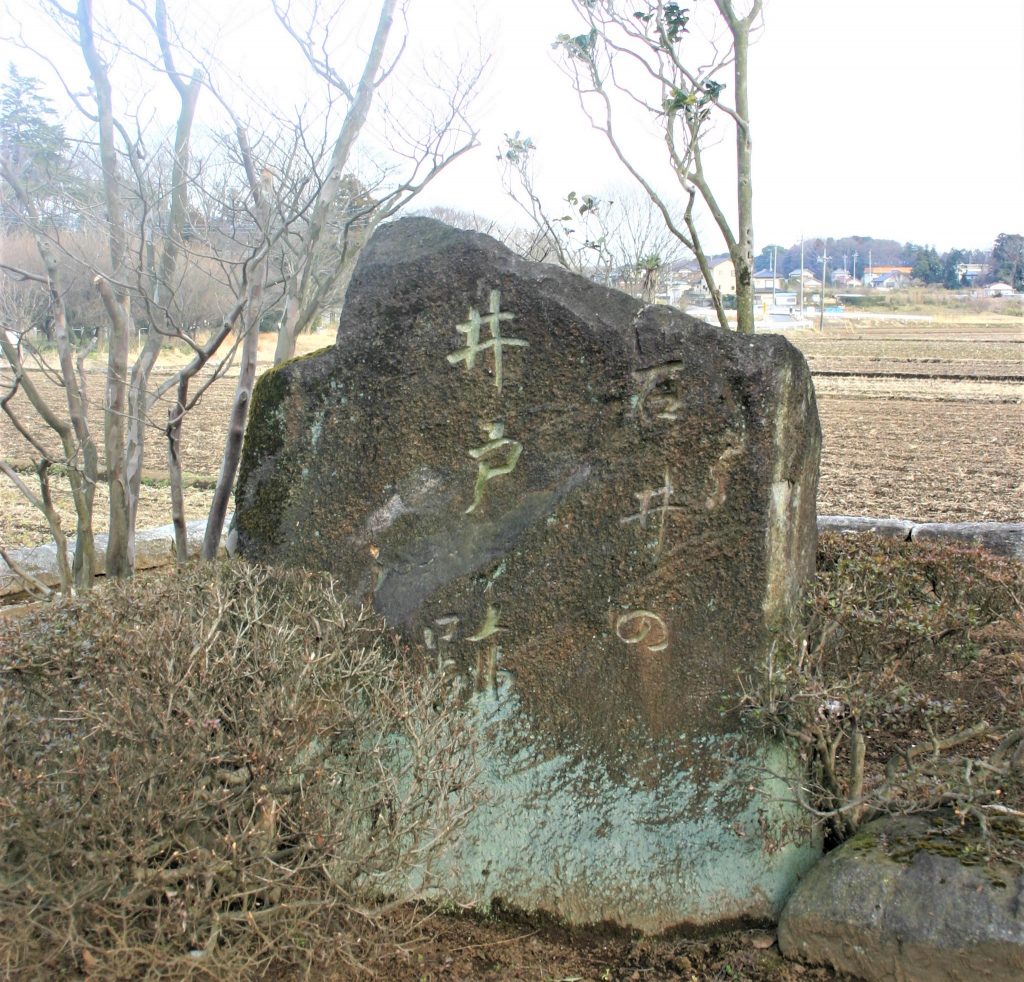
[806,276]
[680,282]
[842,278]
[764,280]
[970,272]
[1000,290]
[887,277]
[686,278]
[894,279]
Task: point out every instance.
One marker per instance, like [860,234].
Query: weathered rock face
[595,509]
[902,900]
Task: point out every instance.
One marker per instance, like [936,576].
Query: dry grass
[214,774]
[907,691]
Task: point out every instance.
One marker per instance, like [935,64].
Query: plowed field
[920,421]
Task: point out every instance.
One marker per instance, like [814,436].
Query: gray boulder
[599,513]
[901,900]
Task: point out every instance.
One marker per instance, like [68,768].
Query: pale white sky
[899,119]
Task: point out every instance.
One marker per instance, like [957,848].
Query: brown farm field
[921,420]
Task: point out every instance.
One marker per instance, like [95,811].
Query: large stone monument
[601,513]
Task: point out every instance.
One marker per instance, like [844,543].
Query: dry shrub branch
[906,693]
[211,774]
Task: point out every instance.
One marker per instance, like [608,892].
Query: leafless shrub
[210,775]
[906,693]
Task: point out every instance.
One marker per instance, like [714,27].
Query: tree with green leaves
[576,236]
[1008,260]
[927,266]
[618,238]
[642,54]
[952,278]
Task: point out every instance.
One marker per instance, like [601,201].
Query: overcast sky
[899,119]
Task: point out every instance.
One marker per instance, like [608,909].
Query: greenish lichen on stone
[946,836]
[265,441]
[264,434]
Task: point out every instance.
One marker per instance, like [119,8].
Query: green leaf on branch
[671,25]
[713,90]
[581,46]
[518,148]
[679,99]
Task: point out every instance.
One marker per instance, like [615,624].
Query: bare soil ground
[944,449]
[513,946]
[896,444]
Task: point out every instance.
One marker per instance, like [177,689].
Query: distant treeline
[854,253]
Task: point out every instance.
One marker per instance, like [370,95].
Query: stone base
[566,837]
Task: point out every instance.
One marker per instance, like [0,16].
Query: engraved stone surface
[599,512]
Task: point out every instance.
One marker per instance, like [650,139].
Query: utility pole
[801,276]
[821,305]
[775,270]
[870,267]
[855,254]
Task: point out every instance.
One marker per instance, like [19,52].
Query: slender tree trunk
[56,530]
[174,417]
[115,419]
[742,253]
[351,127]
[76,437]
[288,331]
[236,424]
[44,502]
[246,379]
[117,303]
[139,403]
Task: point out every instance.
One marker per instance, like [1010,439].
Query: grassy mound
[212,774]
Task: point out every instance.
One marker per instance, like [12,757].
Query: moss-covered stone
[910,898]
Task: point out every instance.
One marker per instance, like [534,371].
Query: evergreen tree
[1008,260]
[32,144]
[951,278]
[927,266]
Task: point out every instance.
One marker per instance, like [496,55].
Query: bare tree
[574,235]
[618,237]
[71,426]
[636,55]
[470,221]
[640,243]
[332,214]
[265,224]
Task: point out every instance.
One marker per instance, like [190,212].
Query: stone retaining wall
[1000,538]
[153,548]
